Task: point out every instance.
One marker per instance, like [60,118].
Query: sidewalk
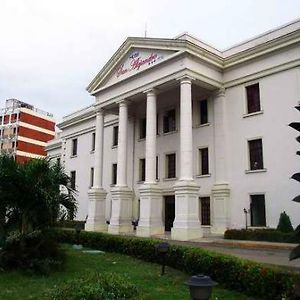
[276,254]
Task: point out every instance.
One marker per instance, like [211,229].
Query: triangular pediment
[134,56]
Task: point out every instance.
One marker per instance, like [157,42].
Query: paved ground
[263,252]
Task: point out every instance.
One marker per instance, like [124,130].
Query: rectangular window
[142,128]
[253,98]
[115,135]
[114,174]
[93,141]
[205,210]
[73,180]
[256,154]
[258,210]
[92,177]
[170,121]
[171,165]
[142,169]
[74,147]
[203,161]
[203,112]
[157,168]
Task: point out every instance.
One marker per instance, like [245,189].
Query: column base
[151,206]
[96,216]
[121,215]
[221,203]
[186,224]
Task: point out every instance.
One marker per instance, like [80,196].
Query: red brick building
[24,130]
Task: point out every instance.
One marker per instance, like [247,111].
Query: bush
[268,235]
[284,224]
[247,277]
[70,224]
[105,286]
[36,252]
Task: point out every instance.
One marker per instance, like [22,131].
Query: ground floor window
[205,210]
[258,210]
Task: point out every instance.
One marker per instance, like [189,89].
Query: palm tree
[32,194]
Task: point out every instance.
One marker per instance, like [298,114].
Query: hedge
[70,224]
[268,235]
[248,277]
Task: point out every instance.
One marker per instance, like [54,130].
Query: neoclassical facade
[187,139]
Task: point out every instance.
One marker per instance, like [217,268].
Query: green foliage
[248,277]
[35,252]
[31,195]
[268,235]
[106,286]
[70,224]
[284,224]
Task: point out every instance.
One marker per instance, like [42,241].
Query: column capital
[151,91]
[186,79]
[99,110]
[219,93]
[123,102]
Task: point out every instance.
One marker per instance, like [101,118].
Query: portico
[168,71]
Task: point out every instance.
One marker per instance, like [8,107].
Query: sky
[50,50]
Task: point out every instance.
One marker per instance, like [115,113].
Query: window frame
[115,136]
[175,121]
[142,123]
[114,173]
[247,113]
[209,210]
[200,123]
[93,148]
[167,155]
[74,149]
[92,175]
[251,209]
[142,169]
[200,173]
[250,169]
[73,179]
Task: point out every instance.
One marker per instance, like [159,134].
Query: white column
[186,225]
[122,144]
[121,195]
[97,195]
[151,138]
[186,133]
[220,190]
[151,203]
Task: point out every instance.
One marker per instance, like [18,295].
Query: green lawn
[15,286]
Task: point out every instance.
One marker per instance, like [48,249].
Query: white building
[183,137]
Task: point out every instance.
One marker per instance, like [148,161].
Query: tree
[32,194]
[284,224]
[295,253]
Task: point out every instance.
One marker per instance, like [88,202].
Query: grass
[146,276]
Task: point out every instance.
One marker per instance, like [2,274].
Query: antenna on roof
[145,30]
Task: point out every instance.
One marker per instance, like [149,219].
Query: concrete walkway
[276,254]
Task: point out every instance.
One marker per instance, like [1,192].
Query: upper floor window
[253,98]
[258,210]
[203,112]
[114,173]
[74,147]
[142,169]
[256,154]
[169,121]
[203,161]
[205,210]
[171,165]
[93,141]
[115,135]
[142,128]
[92,177]
[73,180]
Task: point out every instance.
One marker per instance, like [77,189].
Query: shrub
[268,235]
[105,286]
[284,224]
[247,277]
[36,252]
[70,224]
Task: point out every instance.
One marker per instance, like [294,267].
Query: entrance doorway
[169,212]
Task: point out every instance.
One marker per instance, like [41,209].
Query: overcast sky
[51,49]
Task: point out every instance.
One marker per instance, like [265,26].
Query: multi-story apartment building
[183,137]
[24,130]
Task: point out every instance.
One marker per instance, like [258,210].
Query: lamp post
[163,249]
[246,217]
[200,287]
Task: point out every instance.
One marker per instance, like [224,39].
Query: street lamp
[200,287]
[163,249]
[246,217]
